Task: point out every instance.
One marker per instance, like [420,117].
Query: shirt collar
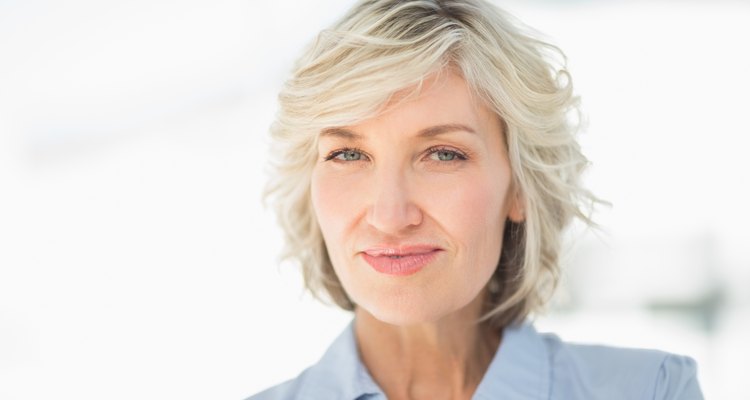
[340,373]
[520,369]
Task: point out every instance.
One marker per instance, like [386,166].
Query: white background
[136,260]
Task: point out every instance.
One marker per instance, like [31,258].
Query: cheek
[334,202]
[473,201]
[322,197]
[472,210]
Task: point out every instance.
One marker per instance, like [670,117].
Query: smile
[401,261]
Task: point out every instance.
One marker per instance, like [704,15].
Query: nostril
[392,217]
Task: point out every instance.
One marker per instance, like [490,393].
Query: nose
[392,209]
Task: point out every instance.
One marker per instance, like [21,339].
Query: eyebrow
[430,131]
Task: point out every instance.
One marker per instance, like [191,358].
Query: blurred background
[136,260]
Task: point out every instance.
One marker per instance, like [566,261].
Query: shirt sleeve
[677,379]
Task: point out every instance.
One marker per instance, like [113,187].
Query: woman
[426,167]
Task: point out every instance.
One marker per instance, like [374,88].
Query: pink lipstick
[400,260]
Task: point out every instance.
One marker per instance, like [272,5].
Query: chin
[403,312]
[403,319]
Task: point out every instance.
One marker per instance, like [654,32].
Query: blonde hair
[381,47]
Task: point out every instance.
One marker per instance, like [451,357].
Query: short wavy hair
[381,47]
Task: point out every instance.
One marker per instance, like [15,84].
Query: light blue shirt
[527,365]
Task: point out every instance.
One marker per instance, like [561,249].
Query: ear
[517,210]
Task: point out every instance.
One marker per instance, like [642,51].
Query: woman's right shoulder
[289,389]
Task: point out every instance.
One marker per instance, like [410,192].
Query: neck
[441,359]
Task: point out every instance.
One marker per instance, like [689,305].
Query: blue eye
[349,155]
[345,155]
[445,155]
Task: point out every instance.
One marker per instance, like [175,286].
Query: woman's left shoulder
[595,371]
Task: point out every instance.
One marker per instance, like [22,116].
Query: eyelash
[332,155]
[459,156]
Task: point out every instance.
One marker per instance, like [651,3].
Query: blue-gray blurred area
[136,260]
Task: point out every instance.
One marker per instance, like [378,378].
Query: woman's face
[412,203]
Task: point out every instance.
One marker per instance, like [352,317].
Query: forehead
[441,96]
[442,102]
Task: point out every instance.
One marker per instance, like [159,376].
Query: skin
[383,181]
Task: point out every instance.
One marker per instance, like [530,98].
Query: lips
[400,260]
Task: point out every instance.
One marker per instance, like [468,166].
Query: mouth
[400,260]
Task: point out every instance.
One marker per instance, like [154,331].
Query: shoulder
[285,390]
[338,374]
[591,371]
